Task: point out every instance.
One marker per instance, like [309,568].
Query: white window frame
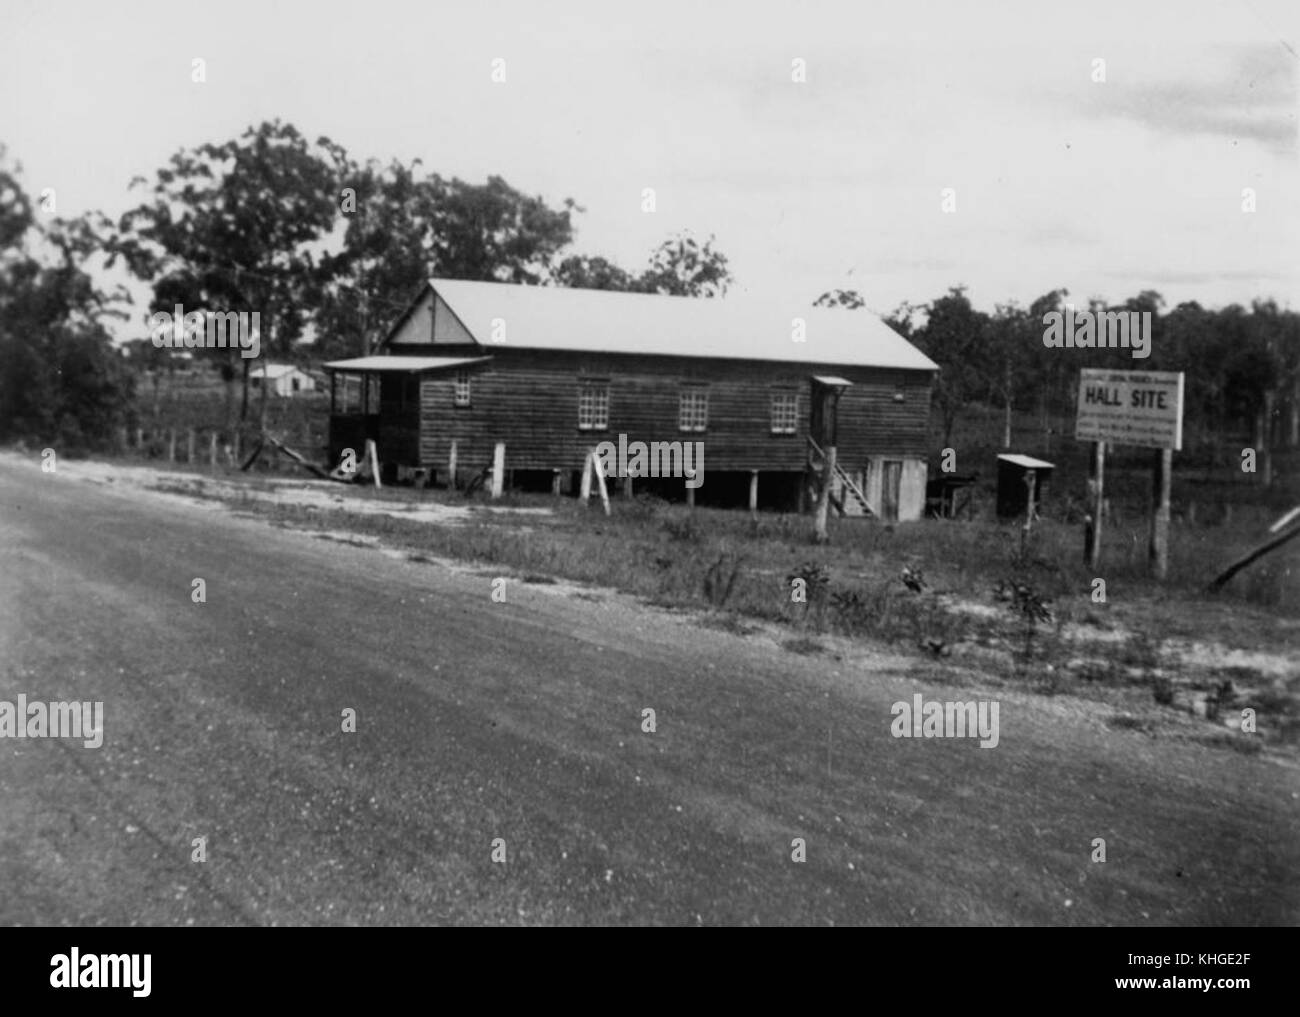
[785,412]
[461,391]
[693,409]
[593,406]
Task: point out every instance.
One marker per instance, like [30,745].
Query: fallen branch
[295,457]
[252,458]
[1285,520]
[1255,555]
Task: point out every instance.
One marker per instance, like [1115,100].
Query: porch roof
[383,364]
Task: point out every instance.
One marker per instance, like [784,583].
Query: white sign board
[1142,408]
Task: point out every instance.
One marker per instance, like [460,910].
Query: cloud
[1251,96]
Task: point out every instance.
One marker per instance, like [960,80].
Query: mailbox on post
[1013,483]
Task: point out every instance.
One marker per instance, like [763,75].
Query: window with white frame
[693,408]
[785,412]
[593,406]
[462,388]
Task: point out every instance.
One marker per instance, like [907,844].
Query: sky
[1059,171]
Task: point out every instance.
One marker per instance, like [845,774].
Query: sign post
[1096,497]
[1161,479]
[1142,408]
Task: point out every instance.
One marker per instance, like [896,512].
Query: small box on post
[1014,492]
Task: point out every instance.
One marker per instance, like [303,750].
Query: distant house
[283,379]
[553,372]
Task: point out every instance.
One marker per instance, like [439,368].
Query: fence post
[372,453]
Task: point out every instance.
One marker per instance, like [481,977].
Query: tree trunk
[261,421]
[243,404]
[1293,435]
[1294,414]
[1266,432]
[230,399]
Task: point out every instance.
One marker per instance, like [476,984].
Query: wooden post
[627,486]
[1161,478]
[1031,484]
[600,482]
[189,445]
[1096,497]
[139,437]
[588,465]
[555,483]
[451,468]
[171,446]
[498,469]
[753,493]
[824,500]
[212,450]
[372,453]
[235,448]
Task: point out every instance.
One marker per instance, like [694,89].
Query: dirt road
[521,723]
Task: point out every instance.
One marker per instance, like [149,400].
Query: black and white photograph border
[605,464]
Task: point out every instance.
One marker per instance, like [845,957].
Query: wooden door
[822,414]
[891,482]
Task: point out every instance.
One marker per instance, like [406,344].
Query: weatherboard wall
[529,400]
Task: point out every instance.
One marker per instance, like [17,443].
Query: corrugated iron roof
[1028,462]
[400,364]
[741,327]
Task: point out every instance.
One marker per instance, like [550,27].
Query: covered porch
[377,399]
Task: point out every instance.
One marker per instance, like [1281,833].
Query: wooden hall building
[553,372]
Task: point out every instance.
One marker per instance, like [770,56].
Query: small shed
[949,495]
[282,379]
[1014,474]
